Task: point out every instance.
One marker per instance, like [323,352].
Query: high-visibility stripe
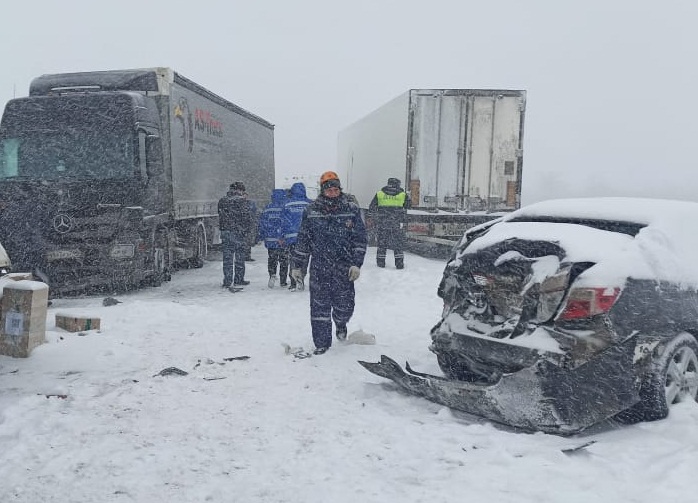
[315,214]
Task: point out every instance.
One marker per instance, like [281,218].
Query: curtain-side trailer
[112,178]
[458,153]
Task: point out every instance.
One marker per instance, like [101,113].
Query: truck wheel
[200,248]
[160,259]
[673,378]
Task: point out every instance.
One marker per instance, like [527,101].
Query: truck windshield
[84,137]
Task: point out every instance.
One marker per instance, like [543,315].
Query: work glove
[354,273]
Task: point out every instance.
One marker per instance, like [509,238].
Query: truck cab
[80,171]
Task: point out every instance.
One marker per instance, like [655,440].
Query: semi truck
[458,153]
[111,179]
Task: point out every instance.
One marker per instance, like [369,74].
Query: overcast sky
[610,82]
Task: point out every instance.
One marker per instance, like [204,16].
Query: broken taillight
[588,302]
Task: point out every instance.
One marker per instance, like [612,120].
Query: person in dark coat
[234,221]
[388,214]
[271,234]
[291,222]
[332,237]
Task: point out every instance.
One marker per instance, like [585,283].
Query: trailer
[458,152]
[112,178]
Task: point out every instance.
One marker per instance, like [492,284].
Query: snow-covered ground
[87,419]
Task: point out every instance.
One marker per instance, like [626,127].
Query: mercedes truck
[111,178]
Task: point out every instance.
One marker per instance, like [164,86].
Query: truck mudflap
[537,398]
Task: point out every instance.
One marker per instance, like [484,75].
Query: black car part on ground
[541,397]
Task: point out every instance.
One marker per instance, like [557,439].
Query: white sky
[609,82]
[274,429]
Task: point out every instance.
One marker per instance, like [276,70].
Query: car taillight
[588,302]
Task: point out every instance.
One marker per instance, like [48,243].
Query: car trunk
[506,289]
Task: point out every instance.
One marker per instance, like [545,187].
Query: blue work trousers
[234,253]
[331,298]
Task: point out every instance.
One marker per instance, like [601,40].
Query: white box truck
[112,178]
[458,153]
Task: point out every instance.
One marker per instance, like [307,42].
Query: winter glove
[354,273]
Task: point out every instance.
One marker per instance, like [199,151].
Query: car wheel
[455,369]
[673,378]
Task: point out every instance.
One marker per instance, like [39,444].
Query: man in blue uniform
[333,234]
[291,218]
[271,234]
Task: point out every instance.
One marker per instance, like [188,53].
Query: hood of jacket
[278,197]
[298,191]
[391,190]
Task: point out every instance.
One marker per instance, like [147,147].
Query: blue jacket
[270,221]
[333,233]
[293,213]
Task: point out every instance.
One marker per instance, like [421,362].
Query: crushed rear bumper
[541,397]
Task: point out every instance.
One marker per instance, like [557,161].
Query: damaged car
[565,313]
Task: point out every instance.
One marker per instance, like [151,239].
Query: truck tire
[200,248]
[160,259]
[672,378]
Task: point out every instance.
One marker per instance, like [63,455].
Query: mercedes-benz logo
[63,223]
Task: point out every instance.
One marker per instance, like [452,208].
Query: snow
[86,418]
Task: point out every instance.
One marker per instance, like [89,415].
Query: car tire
[455,369]
[673,378]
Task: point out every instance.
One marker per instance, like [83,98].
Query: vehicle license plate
[63,254]
[122,251]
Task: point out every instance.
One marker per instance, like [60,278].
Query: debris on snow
[361,337]
[171,371]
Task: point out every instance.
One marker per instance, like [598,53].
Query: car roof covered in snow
[626,209]
[664,247]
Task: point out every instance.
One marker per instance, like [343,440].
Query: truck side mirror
[153,155]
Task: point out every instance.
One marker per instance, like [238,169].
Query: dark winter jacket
[333,233]
[389,216]
[293,213]
[254,222]
[234,213]
[270,221]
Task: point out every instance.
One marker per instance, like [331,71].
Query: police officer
[388,213]
[333,234]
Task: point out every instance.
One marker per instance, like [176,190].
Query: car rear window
[629,228]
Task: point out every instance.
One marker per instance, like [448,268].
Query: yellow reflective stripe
[396,201]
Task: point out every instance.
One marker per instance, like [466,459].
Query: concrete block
[23,317]
[73,323]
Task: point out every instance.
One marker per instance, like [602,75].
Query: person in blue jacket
[270,233]
[291,222]
[333,238]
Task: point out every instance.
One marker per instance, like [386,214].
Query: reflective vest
[396,201]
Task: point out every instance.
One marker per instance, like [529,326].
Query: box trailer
[112,178]
[458,153]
